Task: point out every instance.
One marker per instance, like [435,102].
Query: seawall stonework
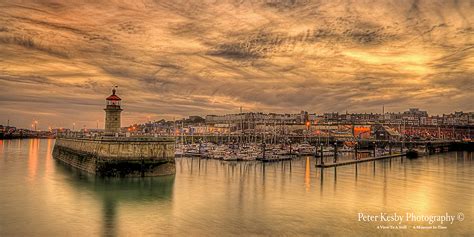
[124,157]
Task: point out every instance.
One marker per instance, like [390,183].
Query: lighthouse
[110,155]
[112,113]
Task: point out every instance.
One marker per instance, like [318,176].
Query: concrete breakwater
[118,156]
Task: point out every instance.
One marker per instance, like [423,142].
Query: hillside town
[413,122]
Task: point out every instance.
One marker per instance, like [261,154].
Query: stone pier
[118,156]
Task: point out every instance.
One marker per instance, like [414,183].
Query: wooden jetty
[429,147]
[350,162]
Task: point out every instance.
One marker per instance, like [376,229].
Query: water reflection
[109,218]
[33,158]
[211,197]
[49,156]
[307,174]
[356,166]
[321,174]
[113,192]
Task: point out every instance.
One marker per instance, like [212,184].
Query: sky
[172,59]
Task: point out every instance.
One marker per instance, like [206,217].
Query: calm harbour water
[41,197]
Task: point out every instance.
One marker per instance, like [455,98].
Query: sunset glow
[175,59]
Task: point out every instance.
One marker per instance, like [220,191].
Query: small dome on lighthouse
[113,96]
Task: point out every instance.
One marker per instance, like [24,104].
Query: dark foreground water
[41,197]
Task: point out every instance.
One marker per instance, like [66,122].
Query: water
[40,197]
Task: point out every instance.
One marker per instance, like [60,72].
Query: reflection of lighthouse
[112,113]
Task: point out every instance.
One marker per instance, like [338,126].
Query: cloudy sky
[59,59]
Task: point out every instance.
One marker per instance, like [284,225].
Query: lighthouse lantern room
[112,113]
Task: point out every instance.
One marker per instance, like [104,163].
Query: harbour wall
[118,156]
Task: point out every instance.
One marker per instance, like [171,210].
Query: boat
[196,150]
[305,149]
[276,154]
[412,154]
[277,157]
[179,151]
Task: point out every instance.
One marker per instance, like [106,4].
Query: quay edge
[118,156]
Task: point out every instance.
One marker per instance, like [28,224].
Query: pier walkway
[428,147]
[349,162]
